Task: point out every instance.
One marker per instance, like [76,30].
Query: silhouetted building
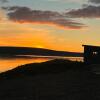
[91,54]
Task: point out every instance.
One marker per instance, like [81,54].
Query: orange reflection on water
[8,64]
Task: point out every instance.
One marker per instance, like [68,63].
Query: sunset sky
[53,24]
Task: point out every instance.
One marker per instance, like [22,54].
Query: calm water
[10,63]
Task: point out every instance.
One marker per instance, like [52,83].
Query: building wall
[91,55]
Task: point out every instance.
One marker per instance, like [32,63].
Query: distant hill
[12,51]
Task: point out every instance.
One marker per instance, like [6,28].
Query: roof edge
[90,46]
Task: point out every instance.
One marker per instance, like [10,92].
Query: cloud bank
[3,1]
[27,15]
[95,1]
[86,12]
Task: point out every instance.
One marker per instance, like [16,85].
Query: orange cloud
[52,24]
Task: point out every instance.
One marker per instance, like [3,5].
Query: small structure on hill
[91,54]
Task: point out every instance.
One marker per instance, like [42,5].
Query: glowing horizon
[49,26]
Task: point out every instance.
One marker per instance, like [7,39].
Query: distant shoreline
[15,51]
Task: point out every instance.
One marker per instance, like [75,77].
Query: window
[95,53]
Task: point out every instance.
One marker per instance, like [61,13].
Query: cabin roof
[91,46]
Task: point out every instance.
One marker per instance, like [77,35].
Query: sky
[53,24]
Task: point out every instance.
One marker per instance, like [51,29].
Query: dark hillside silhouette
[52,80]
[13,51]
[49,67]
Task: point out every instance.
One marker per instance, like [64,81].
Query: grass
[51,80]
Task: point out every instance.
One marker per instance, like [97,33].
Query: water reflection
[10,63]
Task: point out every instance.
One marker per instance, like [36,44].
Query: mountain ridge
[12,50]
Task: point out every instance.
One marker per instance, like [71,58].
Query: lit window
[95,53]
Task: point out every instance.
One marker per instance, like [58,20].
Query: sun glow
[39,46]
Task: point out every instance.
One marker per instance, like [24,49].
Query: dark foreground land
[52,80]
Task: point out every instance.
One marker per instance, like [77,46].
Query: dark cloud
[26,15]
[95,1]
[3,1]
[86,12]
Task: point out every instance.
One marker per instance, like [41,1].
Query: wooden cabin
[91,54]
